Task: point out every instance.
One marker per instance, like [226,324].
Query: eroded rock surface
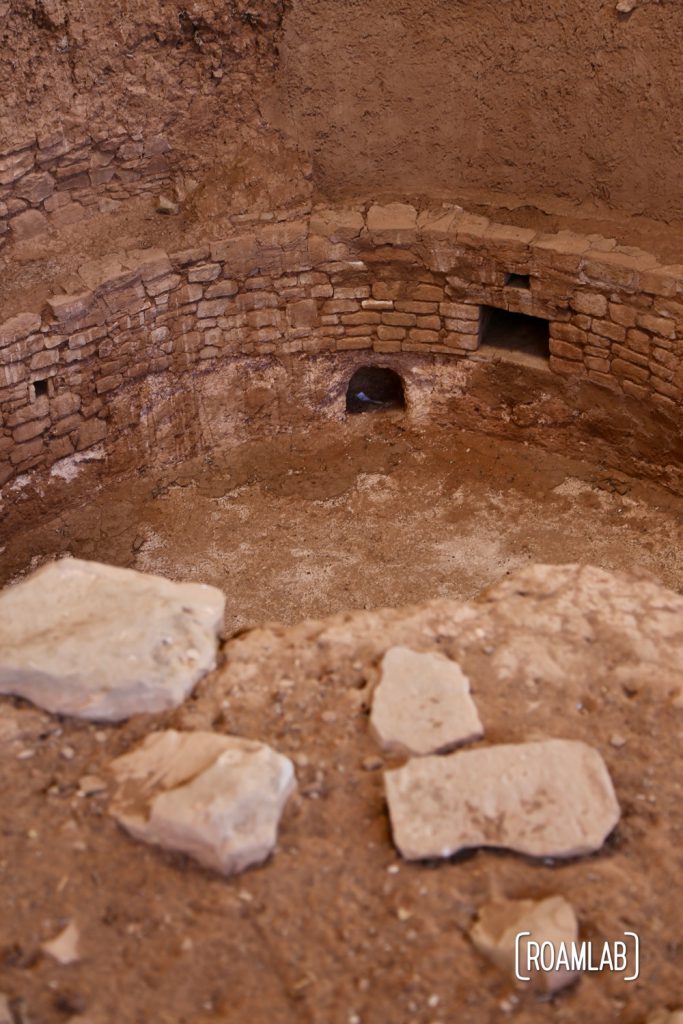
[216,798]
[99,642]
[550,920]
[422,704]
[553,798]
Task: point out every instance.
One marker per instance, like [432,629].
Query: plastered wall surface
[534,98]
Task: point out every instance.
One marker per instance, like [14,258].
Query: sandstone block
[657,325]
[103,643]
[423,336]
[35,188]
[337,225]
[21,454]
[18,327]
[394,224]
[429,323]
[43,359]
[387,290]
[606,329]
[552,798]
[216,798]
[363,317]
[67,307]
[15,166]
[591,303]
[63,405]
[567,332]
[91,432]
[565,350]
[459,310]
[463,342]
[222,289]
[303,313]
[424,308]
[399,319]
[204,272]
[28,224]
[385,333]
[386,347]
[426,293]
[27,431]
[422,704]
[631,357]
[638,374]
[622,314]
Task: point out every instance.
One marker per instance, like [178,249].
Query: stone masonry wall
[58,178]
[378,281]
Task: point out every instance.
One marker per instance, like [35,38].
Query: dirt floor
[360,515]
[337,930]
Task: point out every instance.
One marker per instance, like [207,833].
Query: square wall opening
[515,333]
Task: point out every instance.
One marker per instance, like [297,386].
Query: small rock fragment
[167,206]
[64,947]
[549,920]
[91,784]
[98,642]
[216,798]
[422,704]
[372,764]
[552,798]
[663,1016]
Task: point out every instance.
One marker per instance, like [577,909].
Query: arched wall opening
[373,389]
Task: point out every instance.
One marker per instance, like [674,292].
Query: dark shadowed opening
[515,332]
[40,388]
[373,388]
[518,281]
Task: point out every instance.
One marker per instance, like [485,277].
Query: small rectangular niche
[41,388]
[518,281]
[520,337]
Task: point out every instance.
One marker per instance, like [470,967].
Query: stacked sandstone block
[389,281]
[56,178]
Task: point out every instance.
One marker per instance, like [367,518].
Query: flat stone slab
[98,642]
[215,798]
[552,798]
[422,704]
[552,920]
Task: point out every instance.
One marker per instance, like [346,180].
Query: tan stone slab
[216,798]
[552,798]
[550,920]
[422,704]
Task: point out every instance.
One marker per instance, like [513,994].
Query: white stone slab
[553,798]
[422,704]
[215,798]
[98,642]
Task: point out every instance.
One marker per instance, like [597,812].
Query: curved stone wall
[176,351]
